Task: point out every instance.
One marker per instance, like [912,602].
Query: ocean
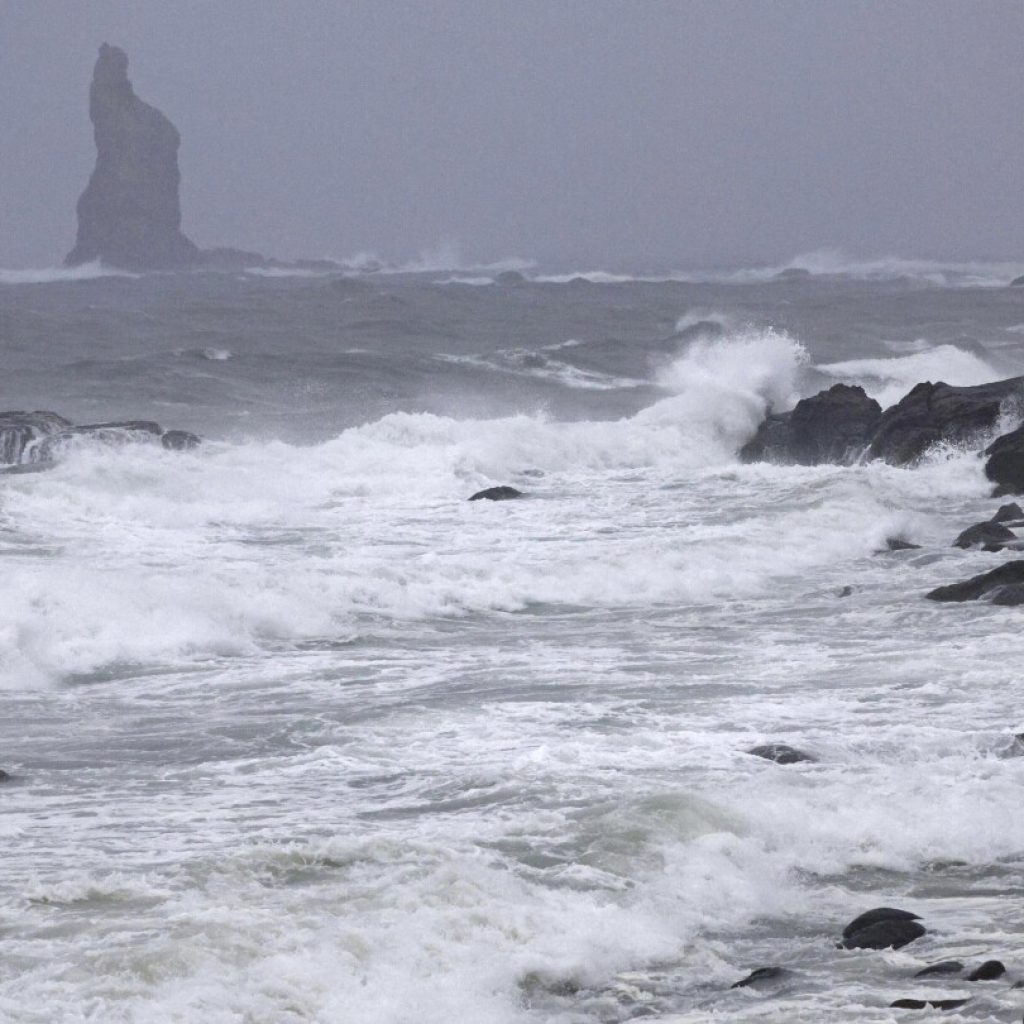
[296,733]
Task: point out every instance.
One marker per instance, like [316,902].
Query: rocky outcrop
[129,214]
[21,431]
[931,413]
[502,493]
[1005,465]
[1009,574]
[833,426]
[991,536]
[39,439]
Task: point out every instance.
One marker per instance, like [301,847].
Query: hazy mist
[597,133]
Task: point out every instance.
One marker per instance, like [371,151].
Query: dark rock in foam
[879,914]
[1008,513]
[780,753]
[832,426]
[760,976]
[129,214]
[503,493]
[931,413]
[888,934]
[1006,575]
[1005,463]
[943,967]
[923,1004]
[20,432]
[988,971]
[990,536]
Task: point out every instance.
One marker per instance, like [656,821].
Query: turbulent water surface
[298,734]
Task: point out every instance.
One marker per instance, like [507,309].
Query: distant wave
[55,275]
[444,258]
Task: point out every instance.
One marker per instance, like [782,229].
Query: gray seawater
[297,734]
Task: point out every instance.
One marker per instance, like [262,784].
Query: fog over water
[620,135]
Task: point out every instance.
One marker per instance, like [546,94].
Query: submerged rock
[129,214]
[943,967]
[1017,282]
[180,440]
[1008,574]
[1005,465]
[4,776]
[502,493]
[780,753]
[931,413]
[760,975]
[832,426]
[988,971]
[922,1004]
[112,434]
[19,432]
[991,536]
[899,544]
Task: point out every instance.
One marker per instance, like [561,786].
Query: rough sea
[299,735]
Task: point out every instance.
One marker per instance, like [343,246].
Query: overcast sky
[630,134]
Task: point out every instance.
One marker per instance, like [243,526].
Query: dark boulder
[831,426]
[780,753]
[899,544]
[1010,596]
[879,914]
[1017,282]
[1008,574]
[931,413]
[990,536]
[503,493]
[180,440]
[1005,462]
[890,934]
[943,967]
[988,971]
[4,776]
[922,1004]
[760,975]
[129,214]
[510,278]
[20,432]
[1008,513]
[113,434]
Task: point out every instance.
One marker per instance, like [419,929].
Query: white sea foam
[55,275]
[888,380]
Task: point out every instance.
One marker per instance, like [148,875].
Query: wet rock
[846,591]
[115,434]
[20,431]
[875,916]
[1008,513]
[180,440]
[510,278]
[988,971]
[1005,462]
[761,974]
[899,544]
[931,413]
[1008,574]
[1010,596]
[780,753]
[129,214]
[922,1004]
[1017,282]
[503,493]
[4,776]
[887,934]
[832,426]
[944,967]
[990,536]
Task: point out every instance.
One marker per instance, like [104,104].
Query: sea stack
[129,215]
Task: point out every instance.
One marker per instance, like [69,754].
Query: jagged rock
[899,544]
[921,1004]
[1008,574]
[944,967]
[503,493]
[129,214]
[938,412]
[832,426]
[988,971]
[19,432]
[761,974]
[780,753]
[888,934]
[113,434]
[1008,513]
[1005,465]
[876,916]
[990,536]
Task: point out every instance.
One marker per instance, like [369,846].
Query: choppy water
[297,734]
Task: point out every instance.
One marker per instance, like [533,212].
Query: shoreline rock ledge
[129,215]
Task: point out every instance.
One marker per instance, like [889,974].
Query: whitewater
[296,733]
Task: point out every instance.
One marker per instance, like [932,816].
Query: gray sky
[630,134]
